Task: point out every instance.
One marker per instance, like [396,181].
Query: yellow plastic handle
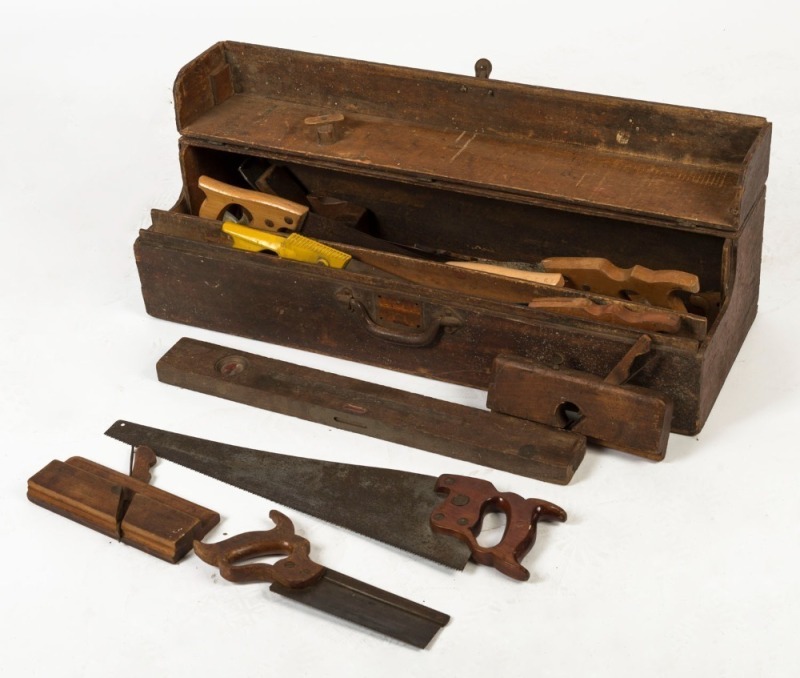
[295,247]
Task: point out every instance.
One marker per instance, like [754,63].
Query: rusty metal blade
[385,504]
[368,606]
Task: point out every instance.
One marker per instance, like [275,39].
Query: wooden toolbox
[468,167]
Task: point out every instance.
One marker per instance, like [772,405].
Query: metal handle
[297,570]
[415,338]
[461,514]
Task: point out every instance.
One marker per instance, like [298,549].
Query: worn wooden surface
[493,440]
[743,275]
[628,418]
[122,507]
[493,170]
[595,153]
[313,309]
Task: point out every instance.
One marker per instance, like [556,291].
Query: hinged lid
[665,165]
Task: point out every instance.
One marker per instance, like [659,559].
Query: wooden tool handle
[594,274]
[495,269]
[461,514]
[613,313]
[297,570]
[263,211]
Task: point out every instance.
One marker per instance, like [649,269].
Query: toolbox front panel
[356,318]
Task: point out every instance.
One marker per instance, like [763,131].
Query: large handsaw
[437,518]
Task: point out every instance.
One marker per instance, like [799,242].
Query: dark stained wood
[463,102]
[737,314]
[628,418]
[475,168]
[431,274]
[613,312]
[122,507]
[601,153]
[481,437]
[287,303]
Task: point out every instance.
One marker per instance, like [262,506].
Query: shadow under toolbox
[445,167]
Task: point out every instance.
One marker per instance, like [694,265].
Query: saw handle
[470,499]
[262,211]
[295,571]
[595,274]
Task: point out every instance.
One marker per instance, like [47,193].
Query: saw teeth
[181,448]
[322,519]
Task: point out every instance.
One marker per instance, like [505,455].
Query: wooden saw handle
[613,313]
[461,515]
[297,570]
[263,211]
[595,274]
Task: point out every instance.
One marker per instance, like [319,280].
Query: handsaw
[437,518]
[298,577]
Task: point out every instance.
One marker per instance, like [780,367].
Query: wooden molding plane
[607,411]
[124,507]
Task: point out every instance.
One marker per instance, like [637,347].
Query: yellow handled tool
[295,246]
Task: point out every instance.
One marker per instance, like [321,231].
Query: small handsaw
[437,518]
[298,577]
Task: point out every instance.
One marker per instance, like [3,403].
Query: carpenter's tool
[594,274]
[608,411]
[265,177]
[274,214]
[496,440]
[613,312]
[260,210]
[513,270]
[435,518]
[298,577]
[296,247]
[259,213]
[124,507]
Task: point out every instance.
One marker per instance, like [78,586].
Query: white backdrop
[684,568]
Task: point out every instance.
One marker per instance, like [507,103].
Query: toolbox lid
[666,165]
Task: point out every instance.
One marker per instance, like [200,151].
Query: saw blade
[385,504]
[358,602]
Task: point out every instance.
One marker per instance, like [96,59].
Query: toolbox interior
[479,226]
[481,168]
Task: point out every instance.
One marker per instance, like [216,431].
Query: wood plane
[606,410]
[125,507]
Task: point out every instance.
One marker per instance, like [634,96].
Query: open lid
[680,167]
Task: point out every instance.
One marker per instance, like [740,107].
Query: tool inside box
[470,225]
[480,169]
[486,169]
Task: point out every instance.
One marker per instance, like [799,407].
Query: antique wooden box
[472,168]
